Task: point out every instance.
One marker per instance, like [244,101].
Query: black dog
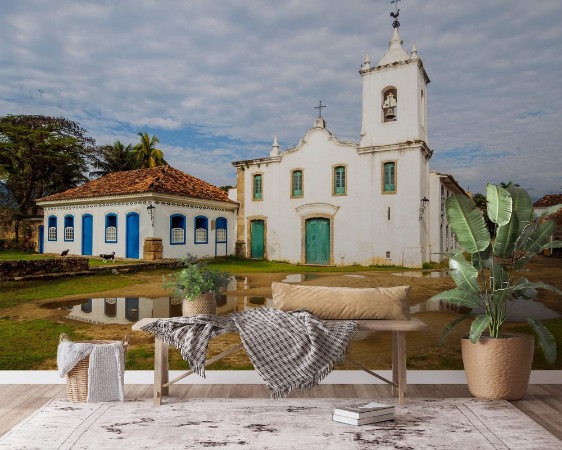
[108,256]
[65,252]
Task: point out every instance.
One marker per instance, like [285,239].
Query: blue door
[132,250]
[87,234]
[41,236]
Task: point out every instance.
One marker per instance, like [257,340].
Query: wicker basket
[205,304]
[77,378]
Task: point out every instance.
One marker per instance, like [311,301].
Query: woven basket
[205,304]
[77,378]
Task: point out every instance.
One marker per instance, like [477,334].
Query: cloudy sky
[215,80]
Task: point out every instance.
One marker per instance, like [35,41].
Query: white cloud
[245,70]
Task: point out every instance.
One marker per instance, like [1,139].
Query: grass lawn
[8,255]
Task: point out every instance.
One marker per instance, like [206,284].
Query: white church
[330,202]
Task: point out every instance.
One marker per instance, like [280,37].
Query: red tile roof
[163,179]
[548,200]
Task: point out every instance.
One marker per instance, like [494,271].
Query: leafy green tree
[113,158]
[41,155]
[147,154]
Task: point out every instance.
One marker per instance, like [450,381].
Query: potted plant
[490,280]
[197,285]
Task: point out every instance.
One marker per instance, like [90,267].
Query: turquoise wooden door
[132,236]
[257,233]
[87,234]
[317,241]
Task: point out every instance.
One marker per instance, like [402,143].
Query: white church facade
[330,202]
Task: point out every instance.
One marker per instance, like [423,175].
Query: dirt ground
[370,349]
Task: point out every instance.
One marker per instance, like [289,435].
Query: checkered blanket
[288,350]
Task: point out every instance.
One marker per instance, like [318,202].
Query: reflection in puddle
[423,273]
[298,277]
[519,311]
[355,276]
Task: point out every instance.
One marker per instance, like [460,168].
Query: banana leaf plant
[491,279]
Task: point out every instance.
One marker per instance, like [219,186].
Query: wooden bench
[399,328]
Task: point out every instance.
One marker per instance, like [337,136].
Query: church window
[389,104]
[52,228]
[177,229]
[389,177]
[111,228]
[339,180]
[201,227]
[69,228]
[297,190]
[258,187]
[221,230]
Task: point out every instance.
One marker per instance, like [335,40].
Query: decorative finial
[414,52]
[274,147]
[319,108]
[395,14]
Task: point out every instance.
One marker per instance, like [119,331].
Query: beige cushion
[344,303]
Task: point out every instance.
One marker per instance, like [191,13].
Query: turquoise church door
[257,231]
[132,238]
[317,240]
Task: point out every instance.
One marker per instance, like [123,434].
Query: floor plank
[542,403]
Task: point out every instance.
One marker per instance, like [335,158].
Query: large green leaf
[467,223]
[539,237]
[482,260]
[546,339]
[458,297]
[499,204]
[552,244]
[448,328]
[550,210]
[524,284]
[480,324]
[506,236]
[522,205]
[463,273]
[500,276]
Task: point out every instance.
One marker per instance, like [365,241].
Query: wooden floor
[543,402]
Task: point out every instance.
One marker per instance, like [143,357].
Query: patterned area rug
[282,424]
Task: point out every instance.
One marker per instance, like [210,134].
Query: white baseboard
[252,377]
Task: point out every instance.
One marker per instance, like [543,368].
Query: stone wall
[42,266]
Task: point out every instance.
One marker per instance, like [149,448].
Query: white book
[363,409]
[363,421]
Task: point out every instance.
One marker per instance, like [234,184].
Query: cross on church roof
[319,108]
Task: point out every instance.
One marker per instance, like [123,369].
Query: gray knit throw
[288,350]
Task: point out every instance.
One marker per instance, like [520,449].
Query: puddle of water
[423,273]
[355,276]
[519,311]
[298,277]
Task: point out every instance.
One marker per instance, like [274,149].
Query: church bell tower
[394,96]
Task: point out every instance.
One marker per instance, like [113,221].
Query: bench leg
[399,365]
[160,371]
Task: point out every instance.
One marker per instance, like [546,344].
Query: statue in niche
[389,107]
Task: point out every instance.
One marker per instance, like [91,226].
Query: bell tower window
[389,104]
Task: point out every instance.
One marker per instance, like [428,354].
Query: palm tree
[146,153]
[114,158]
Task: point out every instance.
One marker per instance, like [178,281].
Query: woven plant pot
[77,377]
[205,304]
[498,369]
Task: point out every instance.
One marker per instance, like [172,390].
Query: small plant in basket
[196,279]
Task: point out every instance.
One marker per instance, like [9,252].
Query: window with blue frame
[339,180]
[111,228]
[69,228]
[221,230]
[177,229]
[52,225]
[201,229]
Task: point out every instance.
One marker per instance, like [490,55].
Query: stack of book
[363,413]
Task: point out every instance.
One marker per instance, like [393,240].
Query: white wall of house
[165,207]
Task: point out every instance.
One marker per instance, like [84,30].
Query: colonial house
[331,202]
[150,213]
